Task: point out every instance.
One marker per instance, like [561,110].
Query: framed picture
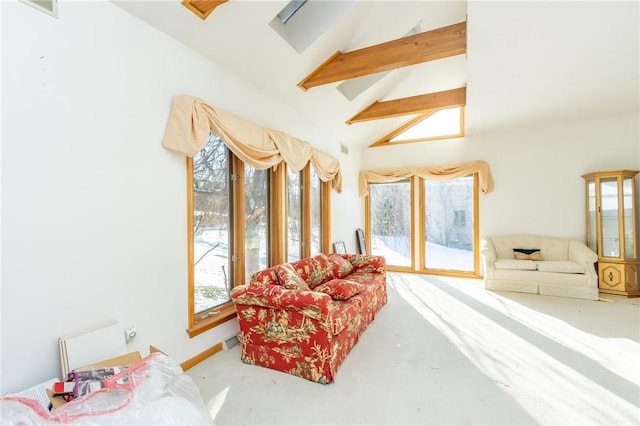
[362,245]
[339,247]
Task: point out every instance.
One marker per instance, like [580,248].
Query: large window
[256,183]
[390,209]
[294,212]
[445,235]
[242,220]
[449,220]
[212,225]
[316,212]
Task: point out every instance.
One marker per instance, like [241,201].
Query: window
[316,212]
[300,23]
[448,219]
[290,9]
[294,212]
[391,213]
[433,125]
[211,273]
[256,237]
[446,240]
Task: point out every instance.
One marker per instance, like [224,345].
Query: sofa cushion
[345,313]
[341,266]
[289,279]
[527,254]
[525,265]
[340,289]
[560,266]
[314,270]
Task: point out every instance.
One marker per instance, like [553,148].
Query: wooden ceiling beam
[411,105]
[202,8]
[414,49]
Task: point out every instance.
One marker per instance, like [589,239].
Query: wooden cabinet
[612,229]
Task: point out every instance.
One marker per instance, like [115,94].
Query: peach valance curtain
[434,173]
[191,120]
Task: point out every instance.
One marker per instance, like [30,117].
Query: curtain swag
[452,171]
[191,120]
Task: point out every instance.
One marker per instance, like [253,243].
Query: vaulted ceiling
[511,63]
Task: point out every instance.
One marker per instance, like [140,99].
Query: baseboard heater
[231,342]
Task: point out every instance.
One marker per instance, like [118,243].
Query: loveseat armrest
[489,257]
[367,263]
[580,253]
[488,251]
[309,303]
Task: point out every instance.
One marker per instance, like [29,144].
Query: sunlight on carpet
[549,361]
[214,405]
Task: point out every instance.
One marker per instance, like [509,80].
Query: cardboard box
[119,361]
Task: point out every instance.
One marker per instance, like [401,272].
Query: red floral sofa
[304,318]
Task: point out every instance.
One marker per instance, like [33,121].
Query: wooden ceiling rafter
[202,8]
[411,105]
[414,49]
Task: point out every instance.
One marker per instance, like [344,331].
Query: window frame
[368,226]
[418,232]
[476,238]
[225,311]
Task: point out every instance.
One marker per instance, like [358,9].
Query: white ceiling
[526,62]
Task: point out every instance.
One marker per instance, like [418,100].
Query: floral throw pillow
[314,270]
[289,279]
[340,289]
[341,266]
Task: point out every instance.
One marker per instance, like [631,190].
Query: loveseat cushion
[560,267]
[289,279]
[314,270]
[524,265]
[340,289]
[341,266]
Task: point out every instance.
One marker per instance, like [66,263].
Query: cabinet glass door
[629,230]
[592,233]
[609,218]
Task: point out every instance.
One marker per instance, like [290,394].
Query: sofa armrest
[367,263]
[310,303]
[489,257]
[580,253]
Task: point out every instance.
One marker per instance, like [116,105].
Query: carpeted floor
[444,351]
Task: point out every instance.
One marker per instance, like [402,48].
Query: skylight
[290,9]
[301,26]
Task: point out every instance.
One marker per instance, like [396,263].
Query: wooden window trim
[226,311]
[367,222]
[223,314]
[476,239]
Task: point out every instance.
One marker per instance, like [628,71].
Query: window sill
[224,314]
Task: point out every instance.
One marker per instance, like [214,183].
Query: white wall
[536,170]
[93,208]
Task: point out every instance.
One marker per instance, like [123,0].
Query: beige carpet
[444,351]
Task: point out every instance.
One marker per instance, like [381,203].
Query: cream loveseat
[566,267]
